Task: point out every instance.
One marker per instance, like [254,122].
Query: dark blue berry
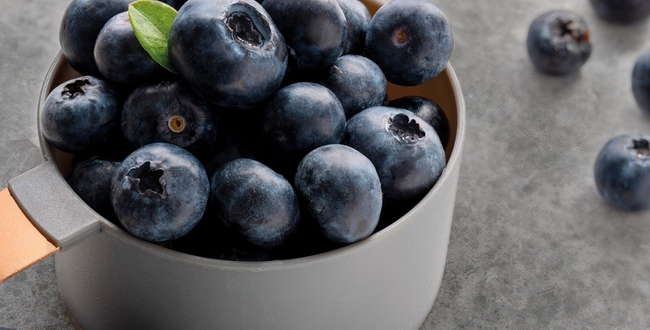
[410,40]
[159,192]
[341,188]
[622,11]
[622,172]
[91,180]
[641,81]
[358,18]
[558,42]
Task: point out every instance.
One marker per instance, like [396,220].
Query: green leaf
[151,21]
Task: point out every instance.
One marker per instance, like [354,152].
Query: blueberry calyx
[147,179]
[642,148]
[570,29]
[176,123]
[405,129]
[401,36]
[75,88]
[244,29]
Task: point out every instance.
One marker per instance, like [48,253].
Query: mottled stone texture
[533,246]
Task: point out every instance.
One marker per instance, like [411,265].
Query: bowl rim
[60,63]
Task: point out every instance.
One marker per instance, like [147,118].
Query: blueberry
[641,81]
[410,40]
[120,56]
[622,172]
[358,18]
[299,118]
[91,180]
[81,114]
[315,31]
[342,190]
[558,42]
[159,192]
[169,111]
[428,110]
[622,11]
[80,25]
[230,51]
[405,150]
[357,82]
[255,201]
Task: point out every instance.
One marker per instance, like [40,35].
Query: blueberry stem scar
[642,148]
[405,129]
[75,88]
[147,178]
[176,123]
[243,29]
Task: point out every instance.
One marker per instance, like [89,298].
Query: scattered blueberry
[91,180]
[622,172]
[641,81]
[358,20]
[315,31]
[256,202]
[299,118]
[558,42]
[169,111]
[357,82]
[622,11]
[342,190]
[81,114]
[230,52]
[405,150]
[159,192]
[410,40]
[428,110]
[81,23]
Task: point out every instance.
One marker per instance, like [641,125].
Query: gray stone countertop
[533,246]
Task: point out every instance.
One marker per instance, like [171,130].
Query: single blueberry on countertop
[299,118]
[169,111]
[160,192]
[230,51]
[315,30]
[405,150]
[622,172]
[341,188]
[357,82]
[641,81]
[256,202]
[428,110]
[622,11]
[91,180]
[120,57]
[558,42]
[80,25]
[410,40]
[81,114]
[358,18]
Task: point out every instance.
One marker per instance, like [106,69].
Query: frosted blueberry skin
[622,11]
[358,19]
[120,57]
[80,25]
[622,172]
[410,40]
[160,192]
[315,30]
[428,110]
[299,118]
[357,82]
[256,202]
[169,111]
[405,149]
[341,188]
[81,114]
[91,180]
[558,42]
[641,81]
[230,52]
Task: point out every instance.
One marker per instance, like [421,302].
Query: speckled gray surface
[532,244]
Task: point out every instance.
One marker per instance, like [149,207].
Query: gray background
[533,246]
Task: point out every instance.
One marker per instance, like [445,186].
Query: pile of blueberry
[558,43]
[264,133]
